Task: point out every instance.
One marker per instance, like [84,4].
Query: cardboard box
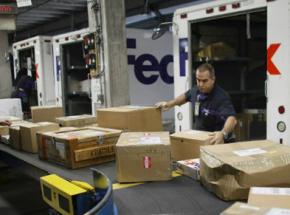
[14,134]
[239,208]
[186,144]
[143,157]
[130,118]
[75,148]
[229,170]
[4,130]
[270,197]
[217,51]
[190,167]
[46,113]
[76,121]
[28,134]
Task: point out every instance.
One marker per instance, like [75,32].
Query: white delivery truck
[150,70]
[247,41]
[72,81]
[35,54]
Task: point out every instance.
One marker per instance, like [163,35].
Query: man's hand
[217,138]
[5,123]
[163,105]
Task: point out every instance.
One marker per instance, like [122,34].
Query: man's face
[204,81]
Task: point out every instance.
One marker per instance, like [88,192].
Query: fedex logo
[141,66]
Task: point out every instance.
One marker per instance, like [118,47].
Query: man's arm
[229,126]
[5,123]
[166,105]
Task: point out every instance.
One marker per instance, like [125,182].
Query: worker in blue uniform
[212,107]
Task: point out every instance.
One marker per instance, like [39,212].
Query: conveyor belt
[181,195]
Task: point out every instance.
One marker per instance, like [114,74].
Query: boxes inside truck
[236,46]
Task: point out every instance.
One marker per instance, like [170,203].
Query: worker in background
[23,86]
[212,107]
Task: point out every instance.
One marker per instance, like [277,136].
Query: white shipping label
[60,147]
[249,152]
[270,191]
[278,211]
[149,140]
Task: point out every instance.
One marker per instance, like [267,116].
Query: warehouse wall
[5,72]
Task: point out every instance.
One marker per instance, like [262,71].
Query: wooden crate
[79,147]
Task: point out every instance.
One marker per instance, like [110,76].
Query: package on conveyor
[28,134]
[76,121]
[240,208]
[4,130]
[186,144]
[46,113]
[14,134]
[278,197]
[130,118]
[143,157]
[190,167]
[75,148]
[229,170]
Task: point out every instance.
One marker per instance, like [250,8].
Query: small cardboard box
[190,167]
[230,170]
[77,120]
[239,208]
[186,144]
[130,118]
[28,134]
[270,197]
[75,148]
[46,113]
[4,130]
[143,157]
[14,133]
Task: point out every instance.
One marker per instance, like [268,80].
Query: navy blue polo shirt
[214,108]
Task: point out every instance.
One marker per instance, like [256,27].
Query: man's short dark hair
[207,67]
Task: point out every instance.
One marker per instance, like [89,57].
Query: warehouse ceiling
[50,17]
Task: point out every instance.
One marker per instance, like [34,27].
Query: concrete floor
[19,194]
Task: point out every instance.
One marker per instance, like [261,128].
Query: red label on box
[147,162]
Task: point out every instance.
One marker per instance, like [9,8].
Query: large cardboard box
[240,208]
[270,197]
[190,167]
[28,134]
[77,120]
[130,118]
[229,170]
[75,148]
[186,144]
[143,157]
[46,113]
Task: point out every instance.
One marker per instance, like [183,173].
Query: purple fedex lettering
[183,55]
[140,68]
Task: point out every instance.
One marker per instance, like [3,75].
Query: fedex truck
[247,41]
[35,54]
[150,71]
